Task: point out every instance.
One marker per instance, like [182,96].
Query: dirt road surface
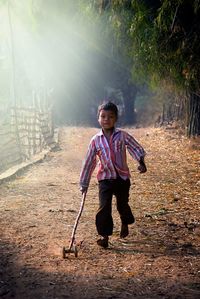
[159,259]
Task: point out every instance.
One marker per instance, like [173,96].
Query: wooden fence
[24,133]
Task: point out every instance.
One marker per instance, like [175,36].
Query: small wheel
[75,251]
[63,253]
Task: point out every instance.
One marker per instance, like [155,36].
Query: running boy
[109,145]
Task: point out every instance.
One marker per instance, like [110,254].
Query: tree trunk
[193,115]
[129,94]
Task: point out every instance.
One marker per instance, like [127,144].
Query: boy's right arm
[83,189]
[88,167]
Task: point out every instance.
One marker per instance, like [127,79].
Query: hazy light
[55,54]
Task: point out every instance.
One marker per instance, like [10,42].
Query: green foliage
[123,42]
[167,45]
[159,41]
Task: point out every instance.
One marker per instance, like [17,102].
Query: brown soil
[159,259]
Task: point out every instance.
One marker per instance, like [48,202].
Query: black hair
[108,106]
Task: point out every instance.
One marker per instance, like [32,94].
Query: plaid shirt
[112,156]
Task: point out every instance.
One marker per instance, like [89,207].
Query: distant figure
[109,145]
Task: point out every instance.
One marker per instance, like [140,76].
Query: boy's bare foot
[124,231]
[103,242]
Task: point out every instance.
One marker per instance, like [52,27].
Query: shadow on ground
[25,282]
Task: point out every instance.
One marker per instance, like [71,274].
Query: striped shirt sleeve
[89,165]
[134,148]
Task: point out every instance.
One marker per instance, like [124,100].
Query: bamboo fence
[24,133]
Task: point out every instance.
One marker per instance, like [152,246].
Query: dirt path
[159,259]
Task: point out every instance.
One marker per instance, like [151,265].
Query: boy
[113,174]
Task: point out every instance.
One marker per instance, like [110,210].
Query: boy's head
[109,106]
[107,115]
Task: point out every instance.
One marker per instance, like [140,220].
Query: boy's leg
[122,195]
[104,221]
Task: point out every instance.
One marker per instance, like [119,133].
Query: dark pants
[108,188]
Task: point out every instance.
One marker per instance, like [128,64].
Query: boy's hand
[83,189]
[142,167]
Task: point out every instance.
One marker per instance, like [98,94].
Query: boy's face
[107,119]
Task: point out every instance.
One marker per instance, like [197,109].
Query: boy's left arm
[142,166]
[136,151]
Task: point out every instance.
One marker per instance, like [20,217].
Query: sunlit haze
[51,56]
